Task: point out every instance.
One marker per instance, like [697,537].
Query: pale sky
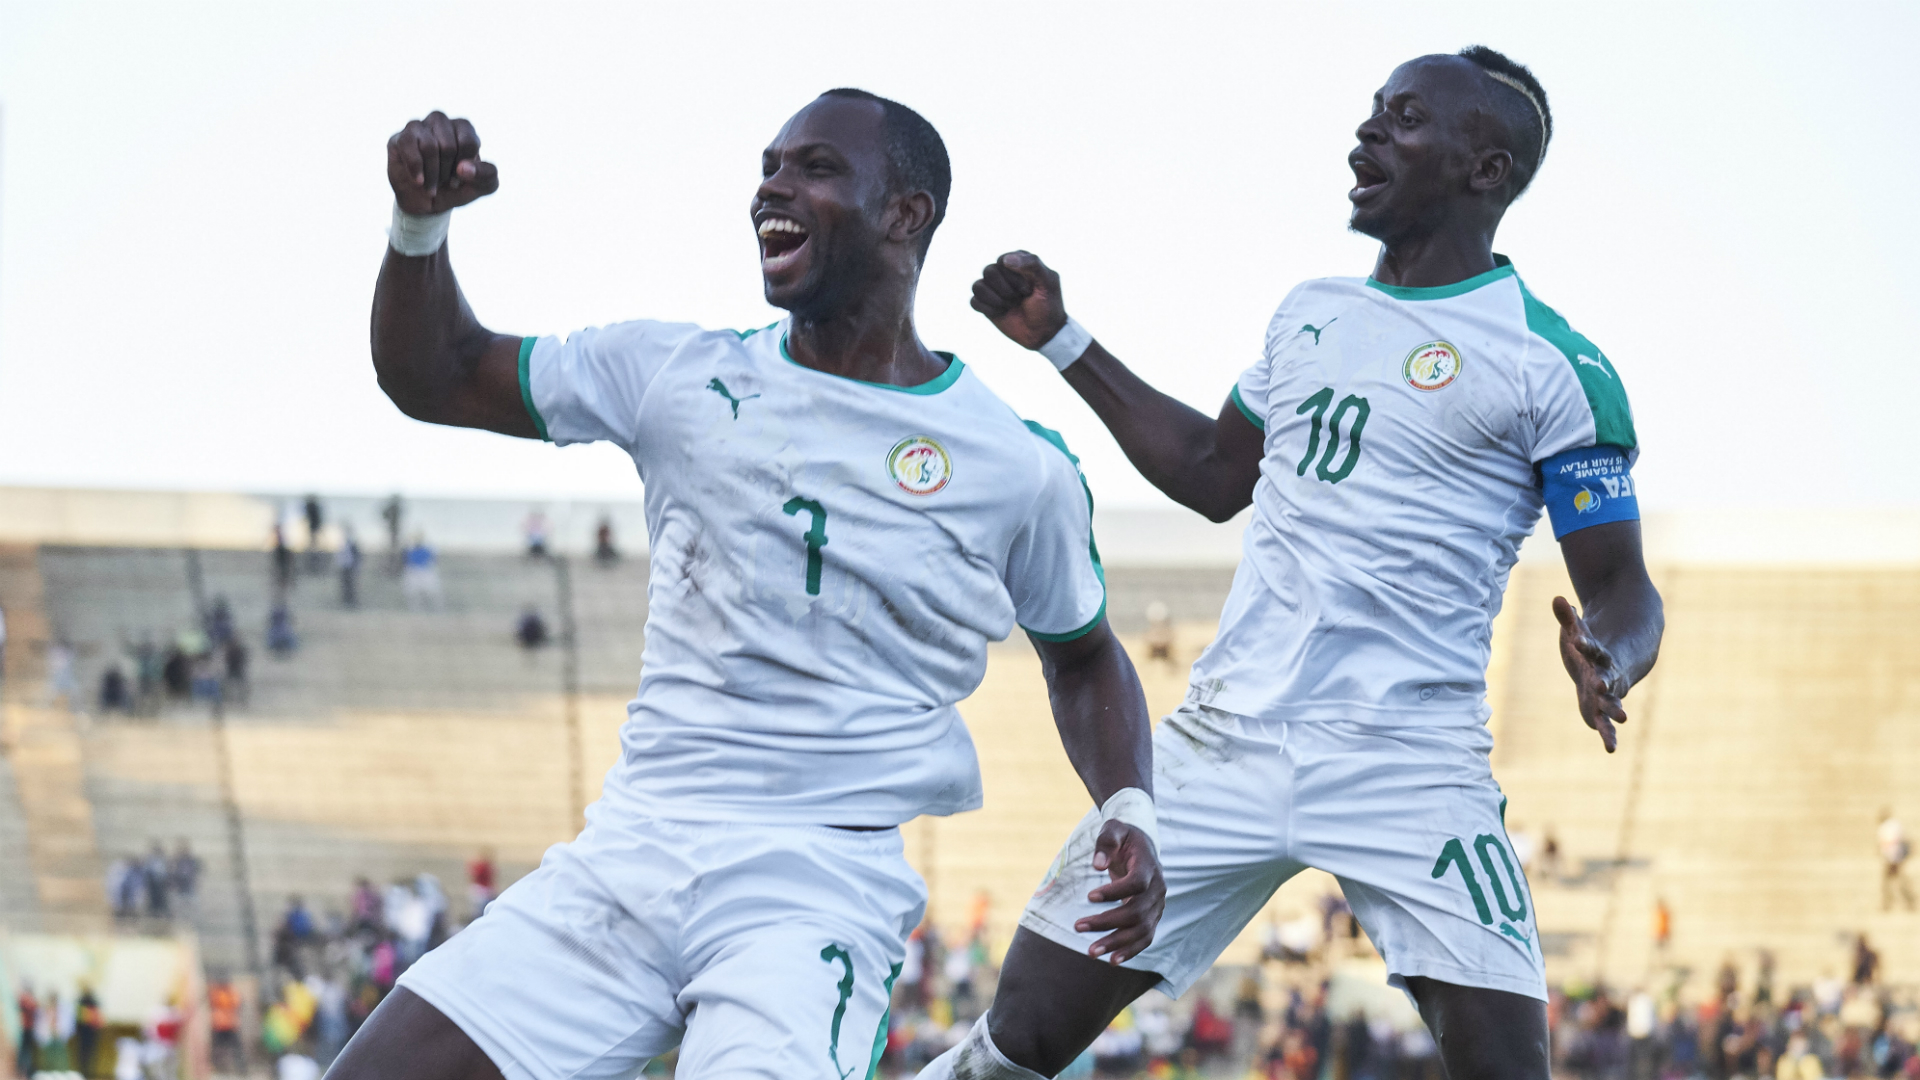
[192,206]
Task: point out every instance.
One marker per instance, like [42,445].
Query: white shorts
[760,950]
[1408,819]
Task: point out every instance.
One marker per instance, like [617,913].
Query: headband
[1531,100]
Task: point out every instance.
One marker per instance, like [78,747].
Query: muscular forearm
[1174,445]
[1101,714]
[429,351]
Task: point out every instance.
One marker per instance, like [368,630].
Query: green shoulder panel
[1612,418]
[1093,549]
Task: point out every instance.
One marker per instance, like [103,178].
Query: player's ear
[1491,170]
[909,217]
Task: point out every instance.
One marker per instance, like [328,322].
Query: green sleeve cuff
[526,388]
[1233,395]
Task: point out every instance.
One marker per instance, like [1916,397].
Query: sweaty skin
[1433,178]
[841,249]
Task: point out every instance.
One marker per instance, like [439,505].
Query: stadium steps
[390,742]
[44,750]
[1784,714]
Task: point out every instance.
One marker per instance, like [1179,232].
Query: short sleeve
[1579,401]
[589,387]
[1053,571]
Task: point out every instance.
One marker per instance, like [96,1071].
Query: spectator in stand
[316,520]
[282,559]
[347,561]
[223,1011]
[88,1022]
[420,580]
[157,875]
[1159,633]
[62,687]
[124,887]
[366,906]
[536,531]
[116,694]
[394,515]
[27,1054]
[1866,962]
[530,630]
[219,622]
[235,686]
[206,671]
[281,639]
[1550,856]
[480,890]
[604,551]
[183,871]
[1894,851]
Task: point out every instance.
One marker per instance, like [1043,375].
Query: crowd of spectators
[205,662]
[1832,1028]
[156,885]
[331,968]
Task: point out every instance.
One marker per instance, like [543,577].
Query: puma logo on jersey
[720,388]
[1314,330]
[1509,931]
[1591,362]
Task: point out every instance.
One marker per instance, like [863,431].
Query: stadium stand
[1783,716]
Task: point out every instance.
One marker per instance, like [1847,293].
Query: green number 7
[816,537]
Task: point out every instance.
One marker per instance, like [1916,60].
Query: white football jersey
[829,560]
[1404,427]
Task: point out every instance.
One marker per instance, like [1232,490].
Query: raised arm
[1206,465]
[433,358]
[1613,642]
[1102,716]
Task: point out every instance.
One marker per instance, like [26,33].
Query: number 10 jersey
[1404,427]
[829,559]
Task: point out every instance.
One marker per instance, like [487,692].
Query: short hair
[915,153]
[1523,108]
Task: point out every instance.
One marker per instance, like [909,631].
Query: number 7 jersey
[1405,431]
[829,559]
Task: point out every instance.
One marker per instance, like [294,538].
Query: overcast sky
[192,206]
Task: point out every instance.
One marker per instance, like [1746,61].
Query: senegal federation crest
[920,465]
[1431,366]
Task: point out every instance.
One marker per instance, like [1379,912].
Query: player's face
[1415,156]
[819,210]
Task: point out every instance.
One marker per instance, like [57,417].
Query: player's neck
[1439,258]
[873,342]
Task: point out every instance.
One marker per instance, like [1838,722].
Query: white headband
[1531,100]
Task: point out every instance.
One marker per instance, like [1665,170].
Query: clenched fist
[434,165]
[1021,296]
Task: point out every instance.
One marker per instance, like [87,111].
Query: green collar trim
[1503,269]
[932,386]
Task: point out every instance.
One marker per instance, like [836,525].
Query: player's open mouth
[1368,178]
[780,242]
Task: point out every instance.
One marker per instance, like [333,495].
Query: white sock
[976,1058]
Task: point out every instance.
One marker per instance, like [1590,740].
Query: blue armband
[1587,487]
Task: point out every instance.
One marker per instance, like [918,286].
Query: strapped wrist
[417,234]
[1132,806]
[1067,346]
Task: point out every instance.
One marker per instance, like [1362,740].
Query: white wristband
[417,234]
[1066,346]
[1134,807]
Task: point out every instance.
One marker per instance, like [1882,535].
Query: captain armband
[1587,487]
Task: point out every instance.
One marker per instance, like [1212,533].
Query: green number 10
[1486,846]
